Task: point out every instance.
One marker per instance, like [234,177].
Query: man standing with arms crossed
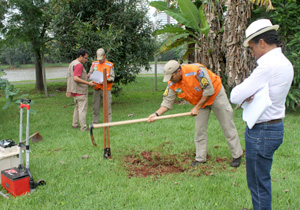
[77,86]
[100,65]
[265,137]
[203,89]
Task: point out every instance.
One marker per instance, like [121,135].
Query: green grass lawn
[98,183]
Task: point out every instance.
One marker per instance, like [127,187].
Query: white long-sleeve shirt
[276,70]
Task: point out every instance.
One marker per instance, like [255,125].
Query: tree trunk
[223,52]
[38,70]
[44,75]
[239,62]
[191,56]
[209,53]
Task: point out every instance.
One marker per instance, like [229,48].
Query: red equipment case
[19,180]
[15,181]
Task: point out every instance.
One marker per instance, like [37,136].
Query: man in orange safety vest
[203,89]
[99,65]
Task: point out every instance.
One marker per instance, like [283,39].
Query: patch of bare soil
[153,163]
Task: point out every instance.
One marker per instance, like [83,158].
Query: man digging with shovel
[203,89]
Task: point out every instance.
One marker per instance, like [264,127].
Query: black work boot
[195,163]
[236,162]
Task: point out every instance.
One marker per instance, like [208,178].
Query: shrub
[10,92]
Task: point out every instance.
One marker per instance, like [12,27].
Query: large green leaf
[173,12]
[177,43]
[170,40]
[159,5]
[204,23]
[163,6]
[169,29]
[190,16]
[190,12]
[179,17]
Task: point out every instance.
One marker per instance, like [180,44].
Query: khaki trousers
[81,105]
[224,113]
[98,102]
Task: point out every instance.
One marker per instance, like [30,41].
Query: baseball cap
[100,53]
[170,67]
[258,27]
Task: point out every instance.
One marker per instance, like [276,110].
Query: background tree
[27,20]
[120,27]
[286,14]
[15,54]
[239,62]
[222,48]
[205,32]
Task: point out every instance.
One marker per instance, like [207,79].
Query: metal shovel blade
[36,137]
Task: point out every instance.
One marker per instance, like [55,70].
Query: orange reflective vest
[96,66]
[189,87]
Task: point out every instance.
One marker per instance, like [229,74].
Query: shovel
[107,152]
[36,137]
[108,124]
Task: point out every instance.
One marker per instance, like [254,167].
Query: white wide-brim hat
[258,27]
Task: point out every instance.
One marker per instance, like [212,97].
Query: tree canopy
[122,28]
[27,21]
[221,48]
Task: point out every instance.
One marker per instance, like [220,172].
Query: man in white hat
[263,139]
[99,65]
[203,89]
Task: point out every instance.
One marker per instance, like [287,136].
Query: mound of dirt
[154,164]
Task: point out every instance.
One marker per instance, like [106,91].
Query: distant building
[161,19]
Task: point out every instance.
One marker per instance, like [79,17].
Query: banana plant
[191,25]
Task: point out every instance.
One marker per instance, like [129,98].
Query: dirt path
[59,73]
[14,75]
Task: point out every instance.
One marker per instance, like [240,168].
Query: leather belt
[270,122]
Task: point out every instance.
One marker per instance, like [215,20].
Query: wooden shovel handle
[105,109]
[102,125]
